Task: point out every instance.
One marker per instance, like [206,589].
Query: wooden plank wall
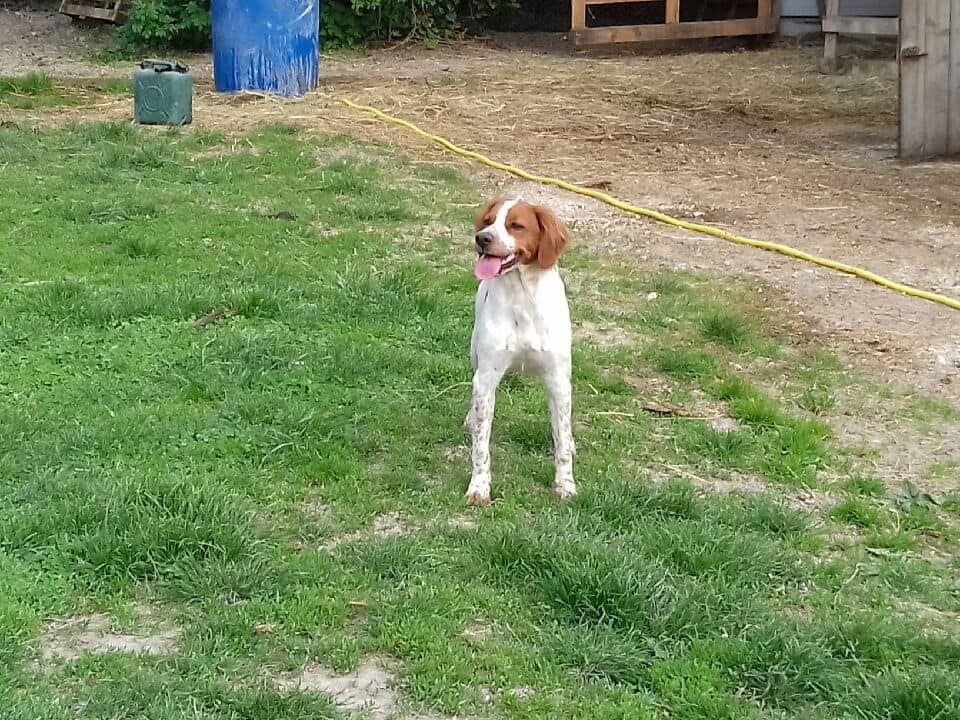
[929,79]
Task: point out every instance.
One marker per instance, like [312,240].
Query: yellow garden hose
[661,217]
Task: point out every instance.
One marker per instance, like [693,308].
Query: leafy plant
[911,497]
[343,26]
[155,24]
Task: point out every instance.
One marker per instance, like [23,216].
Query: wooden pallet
[107,10]
[765,23]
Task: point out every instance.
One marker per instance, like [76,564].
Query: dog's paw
[565,489]
[478,498]
[478,492]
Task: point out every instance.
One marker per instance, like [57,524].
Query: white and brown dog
[522,324]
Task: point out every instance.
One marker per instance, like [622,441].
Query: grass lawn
[233,379]
[38,91]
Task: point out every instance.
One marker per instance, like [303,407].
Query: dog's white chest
[526,324]
[530,331]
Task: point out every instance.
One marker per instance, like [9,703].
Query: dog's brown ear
[478,221]
[554,237]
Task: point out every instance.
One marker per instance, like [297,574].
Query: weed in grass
[758,411]
[896,541]
[911,497]
[857,512]
[866,486]
[731,387]
[134,247]
[683,363]
[817,399]
[922,520]
[795,455]
[666,284]
[773,518]
[697,440]
[726,328]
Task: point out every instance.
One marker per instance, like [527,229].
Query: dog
[521,324]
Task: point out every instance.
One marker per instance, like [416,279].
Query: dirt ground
[753,141]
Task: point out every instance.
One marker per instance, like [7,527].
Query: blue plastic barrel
[270,46]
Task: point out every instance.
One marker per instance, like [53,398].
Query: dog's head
[513,234]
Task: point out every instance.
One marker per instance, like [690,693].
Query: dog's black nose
[484,240]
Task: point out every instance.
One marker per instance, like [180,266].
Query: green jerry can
[162,94]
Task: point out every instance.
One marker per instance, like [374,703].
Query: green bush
[155,24]
[185,24]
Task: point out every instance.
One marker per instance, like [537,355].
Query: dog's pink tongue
[487,267]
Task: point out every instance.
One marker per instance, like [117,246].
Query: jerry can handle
[160,67]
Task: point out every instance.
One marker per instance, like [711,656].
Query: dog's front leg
[560,394]
[480,420]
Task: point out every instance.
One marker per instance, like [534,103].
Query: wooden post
[929,79]
[768,8]
[938,76]
[830,62]
[579,20]
[911,54]
[673,12]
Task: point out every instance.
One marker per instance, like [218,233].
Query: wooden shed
[928,37]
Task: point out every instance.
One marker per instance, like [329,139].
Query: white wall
[808,8]
[799,17]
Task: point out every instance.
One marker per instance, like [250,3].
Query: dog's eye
[516,226]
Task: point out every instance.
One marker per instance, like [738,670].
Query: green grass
[34,90]
[205,473]
[857,512]
[866,486]
[113,86]
[30,84]
[38,91]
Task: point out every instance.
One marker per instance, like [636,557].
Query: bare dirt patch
[462,523]
[895,442]
[604,335]
[384,526]
[479,632]
[935,620]
[370,690]
[806,499]
[68,639]
[40,39]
